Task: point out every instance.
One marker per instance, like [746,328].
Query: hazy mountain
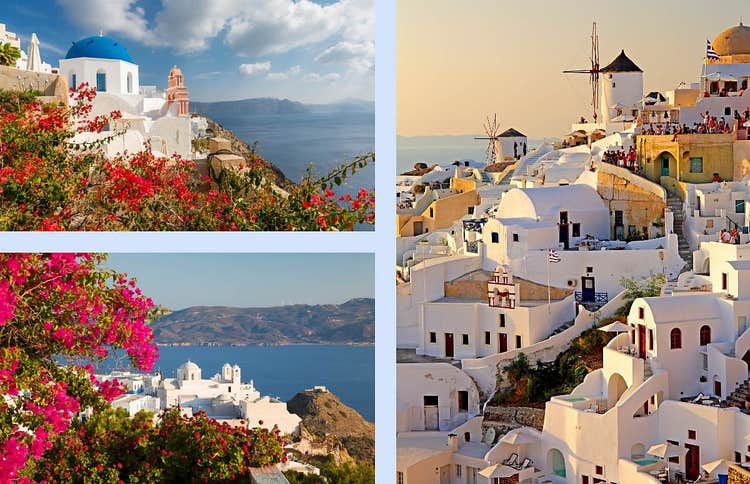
[278,106]
[350,322]
[263,105]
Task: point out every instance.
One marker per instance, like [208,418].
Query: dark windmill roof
[511,133]
[622,63]
[656,95]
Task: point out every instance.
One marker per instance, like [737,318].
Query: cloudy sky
[177,281]
[458,62]
[309,51]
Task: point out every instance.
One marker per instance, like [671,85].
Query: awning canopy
[518,438]
[667,450]
[616,327]
[714,468]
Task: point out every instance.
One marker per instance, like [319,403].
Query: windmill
[492,130]
[593,72]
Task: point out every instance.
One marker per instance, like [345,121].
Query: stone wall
[518,416]
[504,419]
[738,475]
[53,87]
[474,286]
[640,207]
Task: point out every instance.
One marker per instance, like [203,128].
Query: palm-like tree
[9,54]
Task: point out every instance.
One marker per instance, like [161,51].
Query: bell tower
[177,93]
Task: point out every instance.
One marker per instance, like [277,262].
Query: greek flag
[554,256]
[710,52]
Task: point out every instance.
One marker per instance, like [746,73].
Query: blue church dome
[99,47]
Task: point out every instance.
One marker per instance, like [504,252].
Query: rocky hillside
[350,322]
[329,423]
[239,147]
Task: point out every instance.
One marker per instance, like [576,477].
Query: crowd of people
[729,236]
[626,159]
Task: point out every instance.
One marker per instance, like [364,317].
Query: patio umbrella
[666,450]
[616,327]
[720,466]
[34,62]
[497,471]
[517,438]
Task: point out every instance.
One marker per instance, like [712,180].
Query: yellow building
[690,158]
[438,209]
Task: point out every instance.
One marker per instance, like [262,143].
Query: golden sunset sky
[459,61]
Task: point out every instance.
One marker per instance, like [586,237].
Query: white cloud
[283,76]
[282,26]
[249,27]
[315,77]
[121,16]
[250,70]
[346,51]
[208,75]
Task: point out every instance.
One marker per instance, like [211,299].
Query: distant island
[352,322]
[278,106]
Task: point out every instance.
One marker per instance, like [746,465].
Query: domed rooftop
[99,47]
[223,398]
[733,41]
[190,366]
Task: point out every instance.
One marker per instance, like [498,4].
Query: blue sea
[282,371]
[441,149]
[293,141]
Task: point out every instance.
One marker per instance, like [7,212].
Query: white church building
[225,397]
[149,116]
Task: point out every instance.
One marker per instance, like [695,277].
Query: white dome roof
[190,366]
[223,398]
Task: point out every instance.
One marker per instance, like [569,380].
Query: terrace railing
[599,297]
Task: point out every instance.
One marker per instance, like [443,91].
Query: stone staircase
[740,396]
[675,205]
[562,327]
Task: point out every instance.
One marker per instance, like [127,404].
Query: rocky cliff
[329,426]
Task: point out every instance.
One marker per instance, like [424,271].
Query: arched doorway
[666,164]
[615,388]
[556,462]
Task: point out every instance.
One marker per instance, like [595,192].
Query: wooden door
[692,461]
[641,341]
[418,228]
[503,343]
[717,388]
[449,345]
[445,474]
[665,166]
[431,412]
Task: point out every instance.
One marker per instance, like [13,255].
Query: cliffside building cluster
[222,397]
[524,255]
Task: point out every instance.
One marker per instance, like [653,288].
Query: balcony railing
[505,280]
[599,297]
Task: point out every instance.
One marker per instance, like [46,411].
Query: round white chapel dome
[189,367]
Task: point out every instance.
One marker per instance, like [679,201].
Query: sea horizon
[442,149]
